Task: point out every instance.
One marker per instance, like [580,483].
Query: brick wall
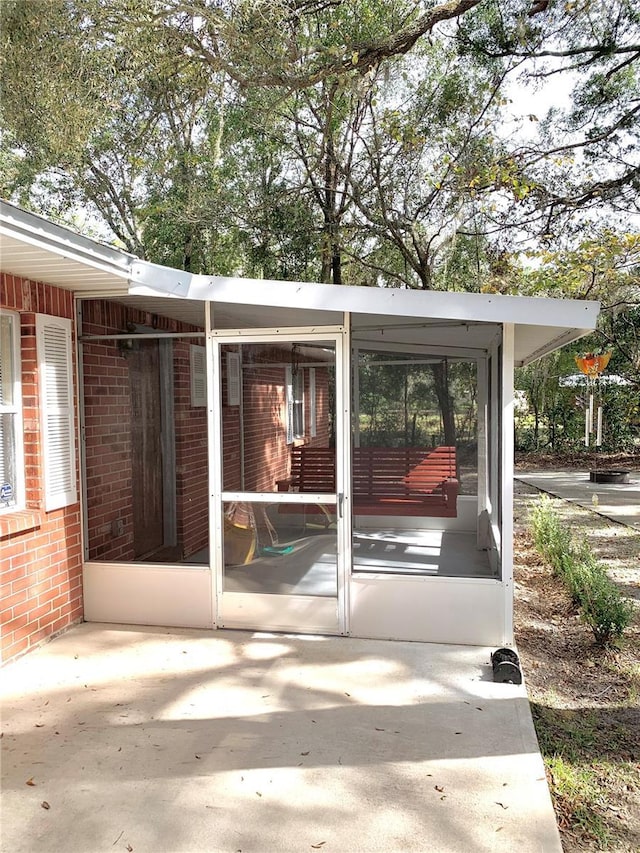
[107,435]
[266,452]
[192,462]
[107,402]
[40,552]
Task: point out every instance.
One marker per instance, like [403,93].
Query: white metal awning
[37,249]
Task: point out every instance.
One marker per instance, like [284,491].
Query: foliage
[553,416]
[601,604]
[586,770]
[584,152]
[400,404]
[604,265]
[423,179]
[369,141]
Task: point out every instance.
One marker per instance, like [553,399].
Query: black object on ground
[506,666]
[609,475]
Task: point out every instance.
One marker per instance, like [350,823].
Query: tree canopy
[384,142]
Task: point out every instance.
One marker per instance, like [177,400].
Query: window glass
[280,548]
[298,403]
[146,445]
[11,475]
[414,466]
[285,408]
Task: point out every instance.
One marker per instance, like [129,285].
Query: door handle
[340,500]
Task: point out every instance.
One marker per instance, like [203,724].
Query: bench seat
[392,481]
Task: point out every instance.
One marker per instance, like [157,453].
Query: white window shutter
[233,379]
[55,368]
[198,365]
[298,404]
[313,427]
[289,403]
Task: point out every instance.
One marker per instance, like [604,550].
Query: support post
[507,403]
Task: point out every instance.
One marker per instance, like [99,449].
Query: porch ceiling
[453,336]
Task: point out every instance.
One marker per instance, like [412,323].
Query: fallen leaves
[30,782]
[318,845]
[45,805]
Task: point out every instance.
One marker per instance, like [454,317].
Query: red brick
[12,600]
[39,611]
[15,624]
[21,583]
[13,648]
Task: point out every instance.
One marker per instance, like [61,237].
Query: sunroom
[286,456]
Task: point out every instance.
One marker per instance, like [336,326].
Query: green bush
[603,608]
[601,604]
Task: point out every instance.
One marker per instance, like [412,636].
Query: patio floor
[124,738]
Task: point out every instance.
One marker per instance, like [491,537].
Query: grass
[588,767]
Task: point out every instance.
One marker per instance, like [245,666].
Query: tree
[128,136]
[325,122]
[604,266]
[430,140]
[585,156]
[131,99]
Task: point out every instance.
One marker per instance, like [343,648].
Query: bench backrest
[401,471]
[377,471]
[313,469]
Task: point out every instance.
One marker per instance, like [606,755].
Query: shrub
[602,605]
[603,608]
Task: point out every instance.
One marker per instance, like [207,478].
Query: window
[53,344]
[295,403]
[11,434]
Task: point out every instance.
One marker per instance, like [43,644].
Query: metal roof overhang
[34,248]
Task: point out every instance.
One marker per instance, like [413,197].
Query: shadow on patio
[176,740]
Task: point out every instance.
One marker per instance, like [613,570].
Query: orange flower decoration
[593,365]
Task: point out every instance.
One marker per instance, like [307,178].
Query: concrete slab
[157,740]
[618,501]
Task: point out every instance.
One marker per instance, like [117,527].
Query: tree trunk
[331,254]
[441,381]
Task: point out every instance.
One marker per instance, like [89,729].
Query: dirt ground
[585,700]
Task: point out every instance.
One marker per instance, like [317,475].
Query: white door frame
[300,613]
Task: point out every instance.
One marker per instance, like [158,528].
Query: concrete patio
[148,739]
[618,501]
